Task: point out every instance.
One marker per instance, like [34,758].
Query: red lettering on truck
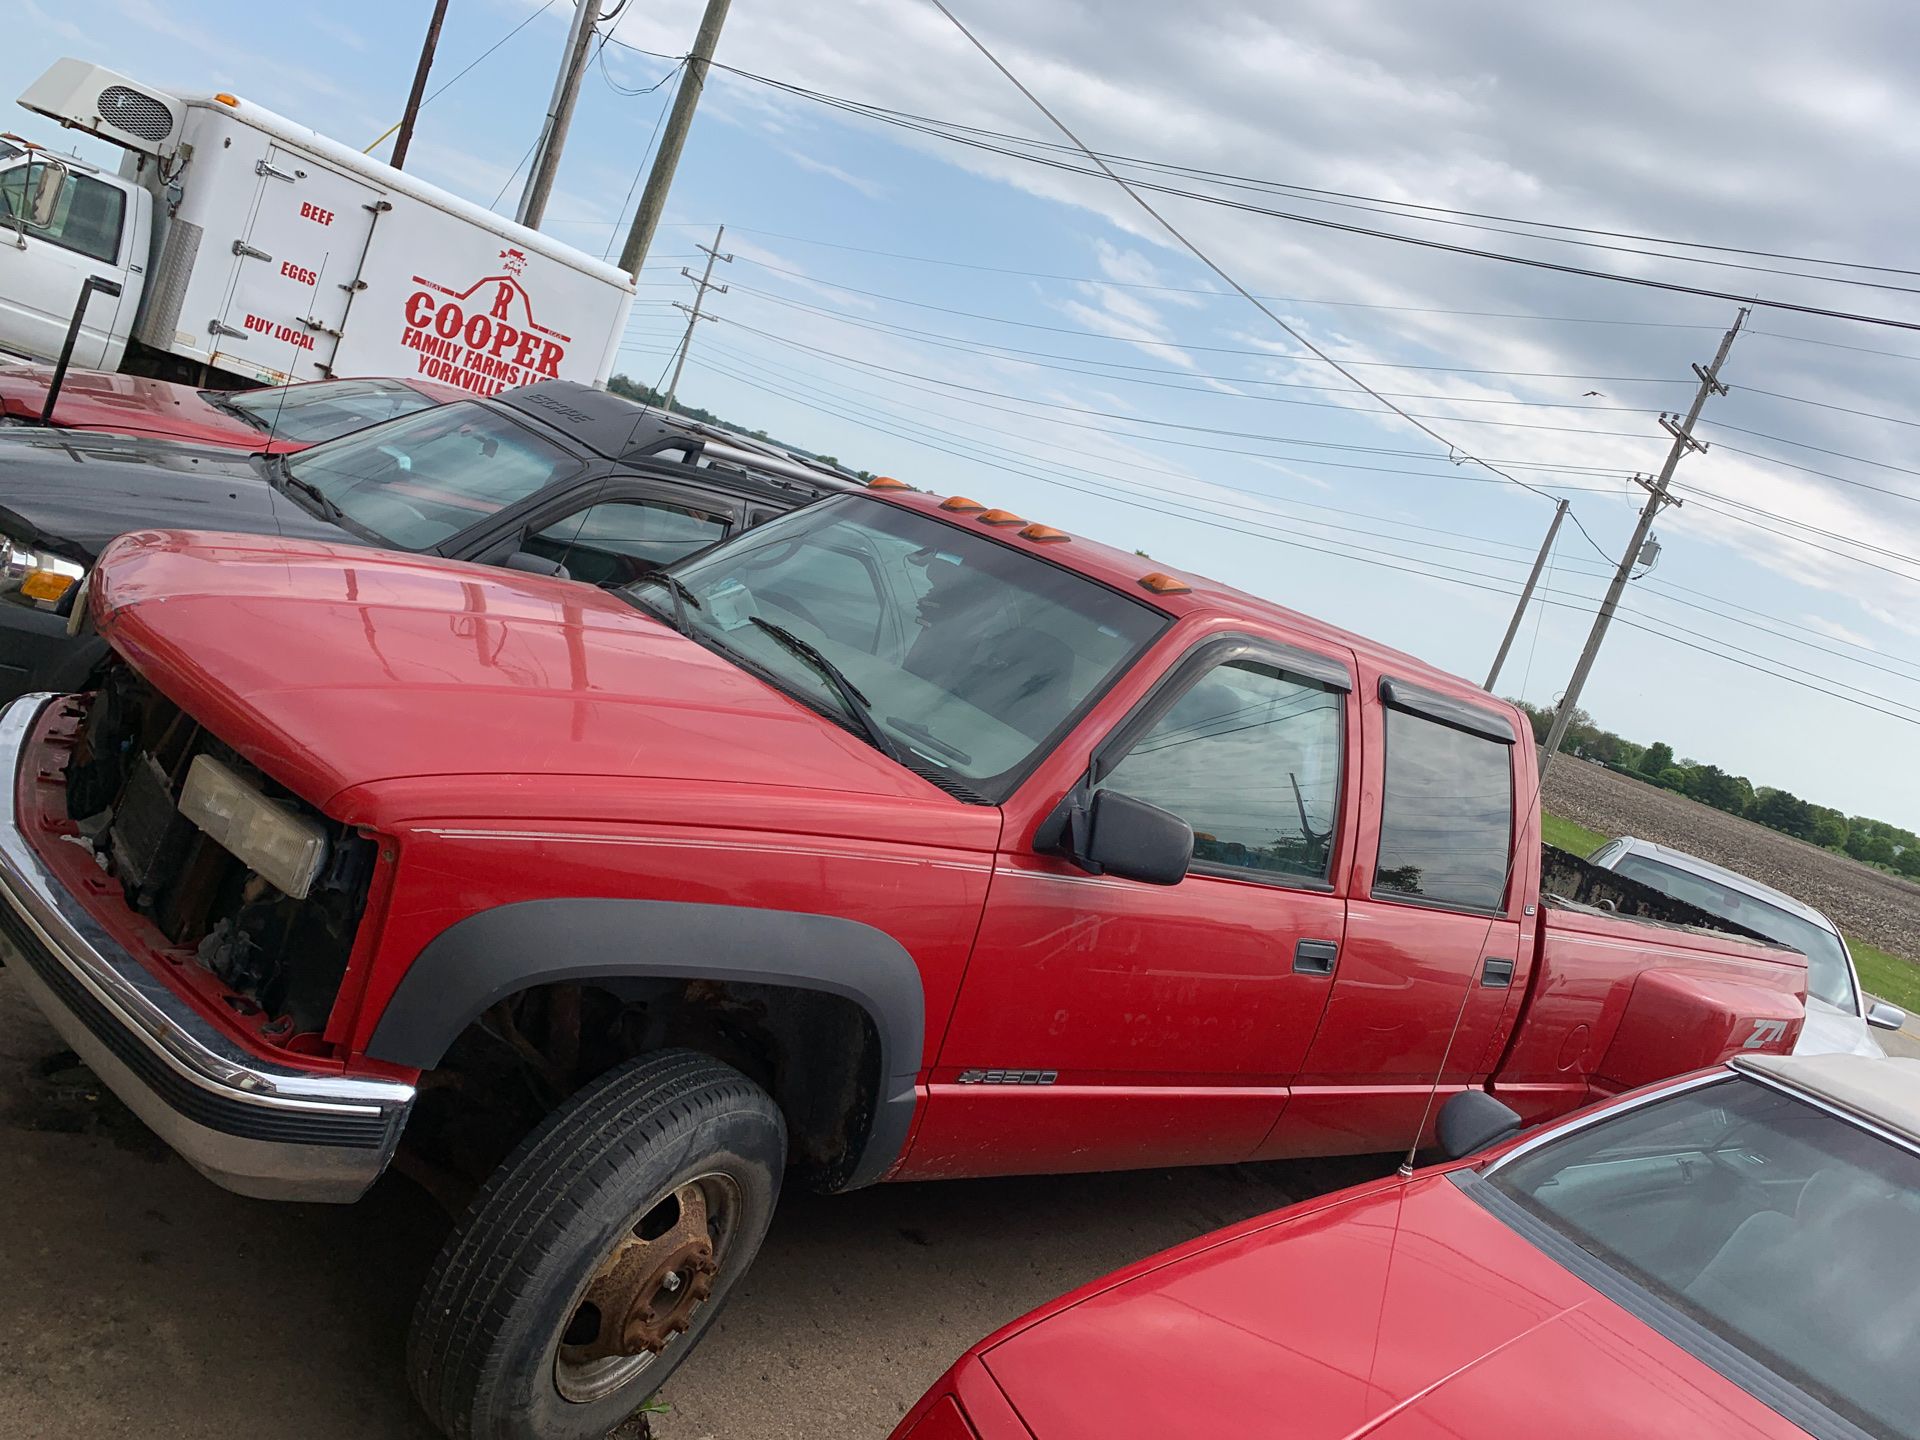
[483,345]
[315,213]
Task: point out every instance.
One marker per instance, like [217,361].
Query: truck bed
[1629,986]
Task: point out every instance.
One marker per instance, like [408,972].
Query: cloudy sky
[981,324]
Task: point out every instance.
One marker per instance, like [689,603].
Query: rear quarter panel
[1569,1046]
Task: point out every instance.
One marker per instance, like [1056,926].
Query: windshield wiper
[857,705]
[676,592]
[314,493]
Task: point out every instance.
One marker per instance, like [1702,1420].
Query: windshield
[1828,975]
[312,413]
[419,479]
[971,656]
[1785,1230]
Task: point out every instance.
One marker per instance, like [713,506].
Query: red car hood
[124,405]
[331,666]
[1402,1312]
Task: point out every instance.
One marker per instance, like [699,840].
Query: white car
[1838,1015]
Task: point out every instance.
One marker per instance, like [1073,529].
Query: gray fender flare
[481,960]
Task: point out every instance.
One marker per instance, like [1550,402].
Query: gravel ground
[1866,903]
[140,1302]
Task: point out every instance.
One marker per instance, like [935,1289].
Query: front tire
[587,1267]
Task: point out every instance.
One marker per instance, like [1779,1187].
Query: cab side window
[1446,819]
[1249,756]
[87,217]
[618,541]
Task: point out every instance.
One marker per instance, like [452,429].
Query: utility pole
[553,133]
[412,112]
[1526,593]
[694,317]
[1657,500]
[653,200]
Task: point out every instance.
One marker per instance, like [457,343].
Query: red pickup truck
[896,838]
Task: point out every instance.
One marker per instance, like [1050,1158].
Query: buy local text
[477,350]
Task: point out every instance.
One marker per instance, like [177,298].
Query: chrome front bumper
[250,1125]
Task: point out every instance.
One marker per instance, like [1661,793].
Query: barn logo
[482,338]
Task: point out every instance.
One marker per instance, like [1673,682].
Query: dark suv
[558,478]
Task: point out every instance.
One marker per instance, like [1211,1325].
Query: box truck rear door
[299,260]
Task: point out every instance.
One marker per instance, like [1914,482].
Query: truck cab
[62,222]
[895,838]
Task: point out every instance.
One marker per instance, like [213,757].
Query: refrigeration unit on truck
[250,250]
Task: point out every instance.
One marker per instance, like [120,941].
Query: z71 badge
[1008,1077]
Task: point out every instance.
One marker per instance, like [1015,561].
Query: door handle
[1496,974]
[1315,957]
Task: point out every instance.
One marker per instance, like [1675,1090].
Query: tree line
[1874,841]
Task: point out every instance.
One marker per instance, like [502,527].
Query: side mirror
[1473,1120]
[535,564]
[1135,840]
[43,201]
[1882,1016]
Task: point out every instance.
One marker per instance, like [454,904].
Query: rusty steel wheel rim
[647,1289]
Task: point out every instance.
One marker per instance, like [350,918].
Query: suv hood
[1400,1311]
[75,492]
[332,666]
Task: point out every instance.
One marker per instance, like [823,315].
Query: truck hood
[75,492]
[1403,1311]
[103,400]
[332,667]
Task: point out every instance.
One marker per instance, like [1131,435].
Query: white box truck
[251,250]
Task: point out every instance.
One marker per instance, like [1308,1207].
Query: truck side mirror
[1473,1120]
[1883,1016]
[534,564]
[1135,840]
[43,199]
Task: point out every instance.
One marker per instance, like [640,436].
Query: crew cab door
[296,265]
[1107,1023]
[1433,924]
[42,268]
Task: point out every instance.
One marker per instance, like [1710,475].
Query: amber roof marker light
[1161,583]
[962,505]
[887,482]
[1045,535]
[1001,517]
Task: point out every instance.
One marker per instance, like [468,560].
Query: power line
[1817,449]
[892,375]
[1268,399]
[1823,474]
[1833,689]
[1271,502]
[1156,341]
[1210,290]
[1135,185]
[1343,199]
[1828,405]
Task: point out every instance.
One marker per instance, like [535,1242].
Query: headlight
[282,848]
[37,577]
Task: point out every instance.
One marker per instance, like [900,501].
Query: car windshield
[969,655]
[1828,976]
[312,413]
[414,481]
[1787,1231]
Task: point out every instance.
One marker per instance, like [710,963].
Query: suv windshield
[322,410]
[415,481]
[1785,1230]
[1828,976]
[970,656]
